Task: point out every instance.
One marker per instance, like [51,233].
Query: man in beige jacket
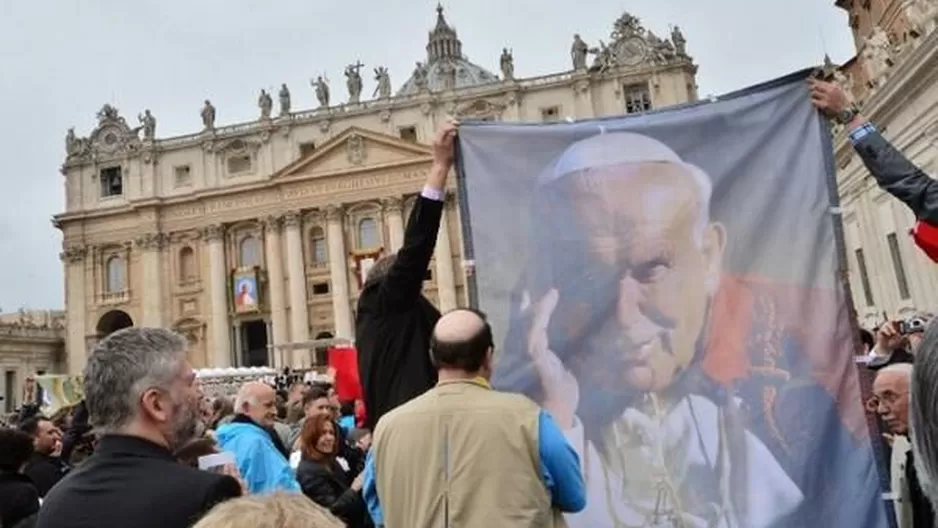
[464,455]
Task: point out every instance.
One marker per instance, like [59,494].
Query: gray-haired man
[142,396]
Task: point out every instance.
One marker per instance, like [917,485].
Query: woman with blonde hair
[277,510]
[323,479]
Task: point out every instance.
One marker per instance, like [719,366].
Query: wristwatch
[846,115]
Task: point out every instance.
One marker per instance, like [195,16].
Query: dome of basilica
[446,68]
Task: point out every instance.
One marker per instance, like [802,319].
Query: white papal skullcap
[609,149]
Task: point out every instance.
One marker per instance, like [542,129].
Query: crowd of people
[147,448]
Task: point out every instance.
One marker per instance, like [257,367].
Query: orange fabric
[750,319]
[725,359]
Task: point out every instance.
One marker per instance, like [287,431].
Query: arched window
[188,270]
[116,280]
[368,234]
[318,247]
[249,252]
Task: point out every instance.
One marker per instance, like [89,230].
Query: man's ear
[714,244]
[489,361]
[153,406]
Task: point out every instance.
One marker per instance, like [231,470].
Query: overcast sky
[61,60]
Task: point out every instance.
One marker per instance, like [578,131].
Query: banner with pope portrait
[667,285]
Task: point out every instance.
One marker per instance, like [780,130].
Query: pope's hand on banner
[561,390]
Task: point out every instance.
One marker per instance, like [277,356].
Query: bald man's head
[461,340]
[257,401]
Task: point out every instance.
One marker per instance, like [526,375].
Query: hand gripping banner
[667,285]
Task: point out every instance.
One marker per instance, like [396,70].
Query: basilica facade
[252,239]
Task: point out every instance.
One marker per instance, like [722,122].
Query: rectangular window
[239,164]
[307,148]
[637,98]
[321,288]
[898,266]
[864,277]
[9,391]
[112,183]
[551,113]
[408,133]
[183,176]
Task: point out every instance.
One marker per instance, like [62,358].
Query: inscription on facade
[262,198]
[333,185]
[326,186]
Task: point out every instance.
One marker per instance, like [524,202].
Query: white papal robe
[668,468]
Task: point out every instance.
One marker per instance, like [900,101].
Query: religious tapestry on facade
[244,291]
[666,285]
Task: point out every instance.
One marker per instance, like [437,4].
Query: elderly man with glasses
[891,401]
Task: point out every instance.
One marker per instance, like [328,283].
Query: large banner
[666,285]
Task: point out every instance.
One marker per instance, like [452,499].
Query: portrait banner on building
[667,285]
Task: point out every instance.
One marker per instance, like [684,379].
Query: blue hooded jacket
[262,467]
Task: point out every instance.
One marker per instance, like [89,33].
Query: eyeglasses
[888,398]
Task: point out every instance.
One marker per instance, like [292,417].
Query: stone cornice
[199,199]
[325,117]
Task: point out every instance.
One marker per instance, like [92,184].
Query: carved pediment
[356,149]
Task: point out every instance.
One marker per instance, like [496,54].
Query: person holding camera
[896,341]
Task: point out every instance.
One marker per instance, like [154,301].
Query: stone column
[277,333]
[445,280]
[296,271]
[151,246]
[338,272]
[219,327]
[238,357]
[393,210]
[73,257]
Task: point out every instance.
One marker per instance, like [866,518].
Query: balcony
[114,298]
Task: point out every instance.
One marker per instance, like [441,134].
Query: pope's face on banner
[646,223]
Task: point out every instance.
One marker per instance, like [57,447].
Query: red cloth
[360,414]
[344,360]
[926,237]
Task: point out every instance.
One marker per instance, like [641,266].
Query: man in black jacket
[142,394]
[893,172]
[394,321]
[45,467]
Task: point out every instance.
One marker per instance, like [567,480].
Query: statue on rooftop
[507,63]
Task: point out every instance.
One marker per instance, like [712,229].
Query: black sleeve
[897,175]
[44,476]
[223,489]
[75,432]
[24,503]
[349,505]
[315,486]
[405,278]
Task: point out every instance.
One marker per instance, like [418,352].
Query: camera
[912,325]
